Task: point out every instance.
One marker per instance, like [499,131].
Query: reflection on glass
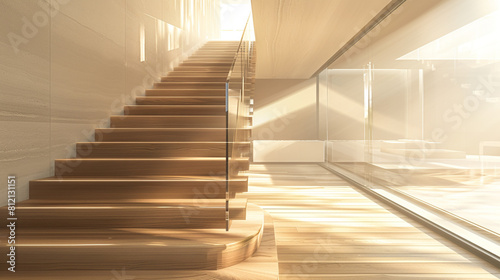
[418,109]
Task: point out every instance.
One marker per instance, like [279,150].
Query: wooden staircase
[150,192]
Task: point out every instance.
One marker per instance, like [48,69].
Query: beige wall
[63,75]
[285,110]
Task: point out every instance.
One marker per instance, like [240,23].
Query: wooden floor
[326,229]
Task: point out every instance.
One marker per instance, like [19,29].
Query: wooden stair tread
[185,92]
[178,106]
[179,129]
[136,187]
[221,71]
[127,237]
[196,73]
[168,121]
[193,83]
[153,159]
[170,116]
[171,178]
[174,109]
[157,149]
[160,142]
[181,100]
[124,167]
[168,79]
[165,134]
[129,203]
[183,97]
[136,213]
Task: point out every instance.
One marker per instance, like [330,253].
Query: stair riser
[206,64]
[187,217]
[222,47]
[195,73]
[230,49]
[222,43]
[115,190]
[174,110]
[220,57]
[181,101]
[170,135]
[193,79]
[208,61]
[186,92]
[188,85]
[229,44]
[168,122]
[165,136]
[129,167]
[214,52]
[213,69]
[157,150]
[206,56]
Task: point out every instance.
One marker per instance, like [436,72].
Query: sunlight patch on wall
[478,40]
[234,14]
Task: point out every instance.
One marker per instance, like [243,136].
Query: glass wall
[414,107]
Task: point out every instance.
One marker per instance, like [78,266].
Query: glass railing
[239,90]
[414,120]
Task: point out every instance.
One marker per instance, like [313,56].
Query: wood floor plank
[443,276]
[375,258]
[383,268]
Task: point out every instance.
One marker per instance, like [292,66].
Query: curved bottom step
[262,265]
[140,248]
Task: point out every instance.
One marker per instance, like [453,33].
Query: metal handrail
[237,51]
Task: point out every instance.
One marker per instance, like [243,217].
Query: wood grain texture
[151,149]
[85,189]
[175,110]
[196,73]
[193,85]
[165,134]
[325,229]
[171,121]
[185,92]
[206,68]
[179,100]
[194,78]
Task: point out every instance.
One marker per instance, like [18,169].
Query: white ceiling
[294,38]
